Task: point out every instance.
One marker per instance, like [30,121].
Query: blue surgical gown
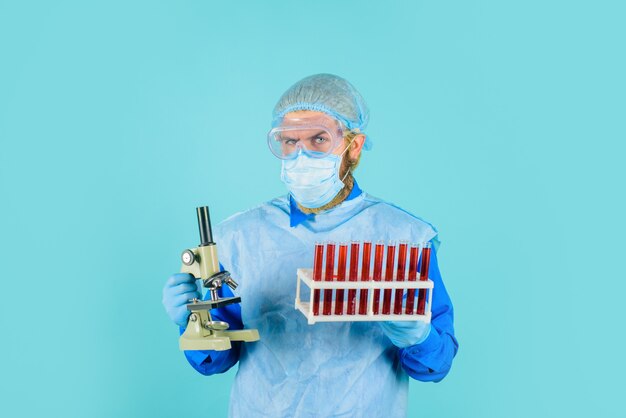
[338,369]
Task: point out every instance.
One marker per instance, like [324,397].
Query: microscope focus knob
[188,257]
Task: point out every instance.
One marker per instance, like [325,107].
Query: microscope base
[203,334]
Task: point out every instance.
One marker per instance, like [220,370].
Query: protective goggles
[300,135]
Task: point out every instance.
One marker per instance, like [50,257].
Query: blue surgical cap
[326,93]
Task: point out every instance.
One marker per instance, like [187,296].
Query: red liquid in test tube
[391,258]
[379,252]
[341,277]
[354,273]
[328,277]
[317,275]
[400,271]
[410,294]
[421,299]
[365,276]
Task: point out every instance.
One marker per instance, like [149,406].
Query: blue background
[502,123]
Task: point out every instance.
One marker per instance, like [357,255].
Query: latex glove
[178,289]
[405,333]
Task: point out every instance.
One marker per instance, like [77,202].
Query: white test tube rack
[305,276]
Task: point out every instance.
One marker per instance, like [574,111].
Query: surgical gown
[336,369]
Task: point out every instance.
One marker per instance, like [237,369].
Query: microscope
[203,333]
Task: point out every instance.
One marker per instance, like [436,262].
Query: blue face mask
[313,182]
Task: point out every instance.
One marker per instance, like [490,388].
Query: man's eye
[289,141]
[319,140]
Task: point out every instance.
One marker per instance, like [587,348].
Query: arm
[431,359]
[208,362]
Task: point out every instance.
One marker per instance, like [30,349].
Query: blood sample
[328,277]
[354,273]
[365,276]
[391,257]
[379,252]
[421,299]
[317,275]
[400,272]
[410,294]
[341,277]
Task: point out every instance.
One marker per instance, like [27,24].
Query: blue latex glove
[405,333]
[178,289]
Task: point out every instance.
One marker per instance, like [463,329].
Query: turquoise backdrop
[500,122]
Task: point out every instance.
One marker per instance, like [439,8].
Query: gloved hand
[178,289]
[405,333]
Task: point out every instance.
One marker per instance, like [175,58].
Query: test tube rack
[400,292]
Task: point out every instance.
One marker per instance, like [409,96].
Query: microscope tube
[317,275]
[379,253]
[410,294]
[421,299]
[400,271]
[330,270]
[341,277]
[354,276]
[391,258]
[365,276]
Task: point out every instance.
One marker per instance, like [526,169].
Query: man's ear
[357,146]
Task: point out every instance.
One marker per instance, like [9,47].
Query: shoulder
[251,218]
[238,231]
[386,207]
[387,212]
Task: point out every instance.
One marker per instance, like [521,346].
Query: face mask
[313,182]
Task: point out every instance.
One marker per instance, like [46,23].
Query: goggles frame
[336,140]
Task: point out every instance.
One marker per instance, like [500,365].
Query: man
[347,369]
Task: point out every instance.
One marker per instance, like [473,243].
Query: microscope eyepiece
[204,225]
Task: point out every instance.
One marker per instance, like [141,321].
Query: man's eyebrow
[286,136]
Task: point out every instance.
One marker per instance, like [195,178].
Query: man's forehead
[307,117]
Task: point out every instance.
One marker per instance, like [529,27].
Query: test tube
[365,276]
[391,258]
[421,299]
[400,272]
[379,252]
[328,277]
[354,276]
[317,275]
[341,277]
[413,262]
